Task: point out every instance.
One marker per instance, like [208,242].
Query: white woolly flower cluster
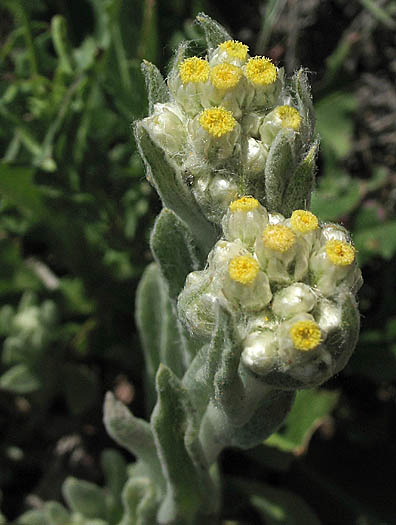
[223,116]
[290,284]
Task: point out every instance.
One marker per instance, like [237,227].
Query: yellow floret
[289,116]
[225,76]
[340,253]
[261,71]
[194,69]
[243,269]
[305,335]
[303,221]
[278,237]
[234,49]
[244,204]
[217,121]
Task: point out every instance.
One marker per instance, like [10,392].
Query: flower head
[278,237]
[303,221]
[217,121]
[261,71]
[225,76]
[244,204]
[243,269]
[340,253]
[234,49]
[289,117]
[194,69]
[306,335]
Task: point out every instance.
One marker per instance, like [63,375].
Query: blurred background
[75,217]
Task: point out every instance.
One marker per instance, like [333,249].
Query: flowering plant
[250,296]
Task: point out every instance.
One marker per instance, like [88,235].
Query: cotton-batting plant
[250,296]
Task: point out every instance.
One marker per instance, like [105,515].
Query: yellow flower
[243,269]
[261,71]
[278,237]
[194,69]
[305,335]
[225,76]
[303,221]
[244,204]
[289,117]
[234,49]
[340,253]
[217,121]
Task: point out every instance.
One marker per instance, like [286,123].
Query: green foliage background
[76,212]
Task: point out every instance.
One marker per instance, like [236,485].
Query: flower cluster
[223,115]
[290,285]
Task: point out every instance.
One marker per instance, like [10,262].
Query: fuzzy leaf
[132,433]
[298,192]
[158,326]
[174,250]
[155,84]
[173,421]
[114,469]
[174,193]
[278,169]
[304,104]
[56,514]
[33,517]
[85,497]
[214,32]
[139,502]
[281,507]
[309,411]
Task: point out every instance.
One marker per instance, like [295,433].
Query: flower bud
[294,299]
[245,220]
[166,127]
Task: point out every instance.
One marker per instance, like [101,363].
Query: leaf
[379,240]
[214,32]
[310,410]
[16,184]
[56,514]
[157,89]
[174,193]
[189,490]
[278,169]
[139,501]
[132,433]
[337,195]
[174,250]
[282,507]
[335,124]
[298,192]
[85,497]
[163,338]
[114,468]
[20,379]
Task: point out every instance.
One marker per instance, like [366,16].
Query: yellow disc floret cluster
[234,49]
[261,71]
[194,70]
[303,221]
[243,269]
[244,204]
[278,237]
[217,121]
[289,117]
[305,335]
[340,253]
[225,76]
